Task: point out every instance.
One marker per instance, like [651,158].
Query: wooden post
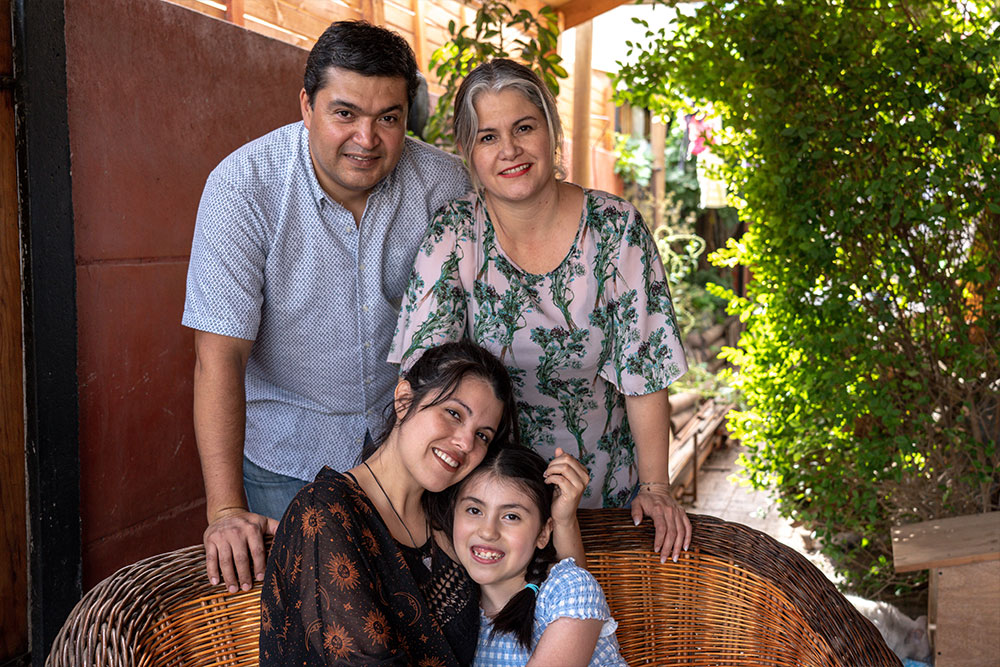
[51,409]
[373,11]
[13,535]
[581,103]
[419,36]
[234,12]
[658,140]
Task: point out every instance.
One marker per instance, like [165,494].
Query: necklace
[427,558]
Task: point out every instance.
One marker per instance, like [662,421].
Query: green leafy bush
[861,140]
[497,32]
[633,159]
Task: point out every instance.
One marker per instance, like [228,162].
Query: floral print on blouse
[576,340]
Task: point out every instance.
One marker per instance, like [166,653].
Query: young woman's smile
[449,439]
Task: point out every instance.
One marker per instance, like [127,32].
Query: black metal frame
[49,302]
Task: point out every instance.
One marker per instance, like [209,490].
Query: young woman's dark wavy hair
[524,468]
[435,376]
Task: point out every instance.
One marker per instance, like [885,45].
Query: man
[302,250]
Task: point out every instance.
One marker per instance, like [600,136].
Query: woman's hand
[570,479]
[673,528]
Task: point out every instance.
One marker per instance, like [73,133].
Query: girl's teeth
[487,555]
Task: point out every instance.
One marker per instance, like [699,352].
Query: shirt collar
[318,193]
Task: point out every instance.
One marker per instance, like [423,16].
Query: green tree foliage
[497,32]
[633,159]
[862,142]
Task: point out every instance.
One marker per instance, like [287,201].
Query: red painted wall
[158,95]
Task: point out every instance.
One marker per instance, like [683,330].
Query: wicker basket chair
[737,597]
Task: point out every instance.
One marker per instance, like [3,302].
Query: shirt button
[361,268]
[364,308]
[368,345]
[348,229]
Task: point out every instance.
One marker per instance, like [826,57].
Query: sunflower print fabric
[339,590]
[576,340]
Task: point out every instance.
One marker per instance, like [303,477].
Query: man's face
[356,125]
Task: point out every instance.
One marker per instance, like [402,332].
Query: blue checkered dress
[568,592]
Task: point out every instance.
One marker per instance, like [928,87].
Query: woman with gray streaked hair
[565,286]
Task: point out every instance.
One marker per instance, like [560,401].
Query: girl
[532,612]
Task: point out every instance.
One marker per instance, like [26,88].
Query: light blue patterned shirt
[277,261]
[568,592]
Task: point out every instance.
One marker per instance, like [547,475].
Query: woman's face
[511,156]
[496,529]
[440,444]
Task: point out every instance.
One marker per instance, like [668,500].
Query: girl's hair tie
[533,587]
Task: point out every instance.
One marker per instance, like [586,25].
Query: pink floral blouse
[576,340]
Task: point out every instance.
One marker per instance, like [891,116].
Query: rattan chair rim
[737,597]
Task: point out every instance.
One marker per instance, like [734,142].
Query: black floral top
[339,590]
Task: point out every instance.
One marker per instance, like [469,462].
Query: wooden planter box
[963,556]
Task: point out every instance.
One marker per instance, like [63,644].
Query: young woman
[355,575]
[565,285]
[535,611]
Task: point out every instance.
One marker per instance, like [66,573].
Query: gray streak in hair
[496,76]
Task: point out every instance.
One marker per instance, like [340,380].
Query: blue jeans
[268,493]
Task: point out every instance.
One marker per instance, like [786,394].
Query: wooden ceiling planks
[575,12]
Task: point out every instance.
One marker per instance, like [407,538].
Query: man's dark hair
[359,46]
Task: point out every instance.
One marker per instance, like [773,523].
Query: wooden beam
[13,533]
[419,36]
[576,12]
[234,12]
[944,542]
[373,11]
[581,104]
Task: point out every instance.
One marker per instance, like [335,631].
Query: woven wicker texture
[736,598]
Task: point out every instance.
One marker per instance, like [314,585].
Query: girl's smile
[495,533]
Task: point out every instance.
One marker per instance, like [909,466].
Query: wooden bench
[963,556]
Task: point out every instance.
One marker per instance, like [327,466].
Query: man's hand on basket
[234,542]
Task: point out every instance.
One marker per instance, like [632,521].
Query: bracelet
[662,487]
